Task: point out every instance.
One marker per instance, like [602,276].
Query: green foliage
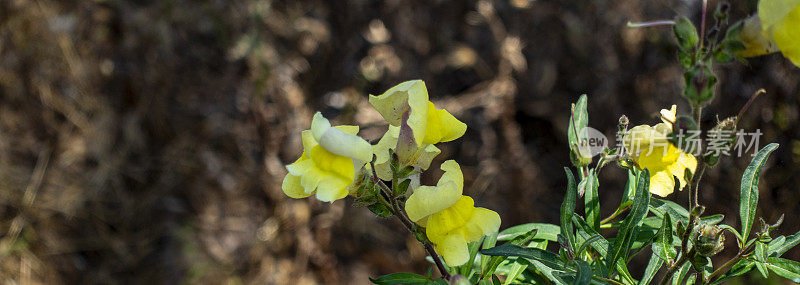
[407,279]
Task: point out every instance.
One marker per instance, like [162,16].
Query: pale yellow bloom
[331,158]
[451,219]
[776,27]
[650,148]
[429,125]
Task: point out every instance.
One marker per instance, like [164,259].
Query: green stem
[727,265]
[400,213]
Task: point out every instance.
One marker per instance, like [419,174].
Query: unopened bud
[709,240]
[459,280]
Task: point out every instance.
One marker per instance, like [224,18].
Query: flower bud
[686,33]
[709,240]
[700,83]
[459,280]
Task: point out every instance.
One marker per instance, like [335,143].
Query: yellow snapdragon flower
[775,28]
[331,158]
[429,125]
[650,148]
[451,220]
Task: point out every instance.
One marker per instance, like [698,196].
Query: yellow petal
[410,96]
[669,116]
[381,150]
[771,12]
[339,142]
[454,250]
[786,34]
[452,172]
[451,220]
[332,189]
[483,222]
[662,183]
[442,126]
[426,156]
[428,200]
[292,188]
[332,163]
[756,41]
[678,169]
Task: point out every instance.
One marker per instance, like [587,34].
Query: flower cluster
[335,160]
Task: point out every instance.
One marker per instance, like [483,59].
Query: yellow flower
[650,148]
[422,157]
[331,158]
[428,124]
[776,27]
[451,220]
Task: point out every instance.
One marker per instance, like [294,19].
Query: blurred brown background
[144,141]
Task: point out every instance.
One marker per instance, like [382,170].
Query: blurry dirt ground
[144,141]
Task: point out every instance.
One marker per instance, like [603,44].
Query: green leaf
[568,209]
[585,274]
[630,225]
[591,200]
[516,270]
[713,219]
[380,210]
[653,266]
[790,242]
[473,251]
[402,187]
[520,240]
[740,268]
[748,199]
[544,231]
[761,257]
[679,276]
[663,247]
[404,279]
[577,122]
[788,269]
[735,233]
[587,242]
[547,258]
[686,34]
[603,247]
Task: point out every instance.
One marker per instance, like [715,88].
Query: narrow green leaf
[663,247]
[568,209]
[584,275]
[577,122]
[591,200]
[735,233]
[587,242]
[713,219]
[788,269]
[515,272]
[761,257]
[547,258]
[653,266]
[521,240]
[547,232]
[680,276]
[790,242]
[740,268]
[403,279]
[630,225]
[748,199]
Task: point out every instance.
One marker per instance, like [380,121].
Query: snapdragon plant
[464,242]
